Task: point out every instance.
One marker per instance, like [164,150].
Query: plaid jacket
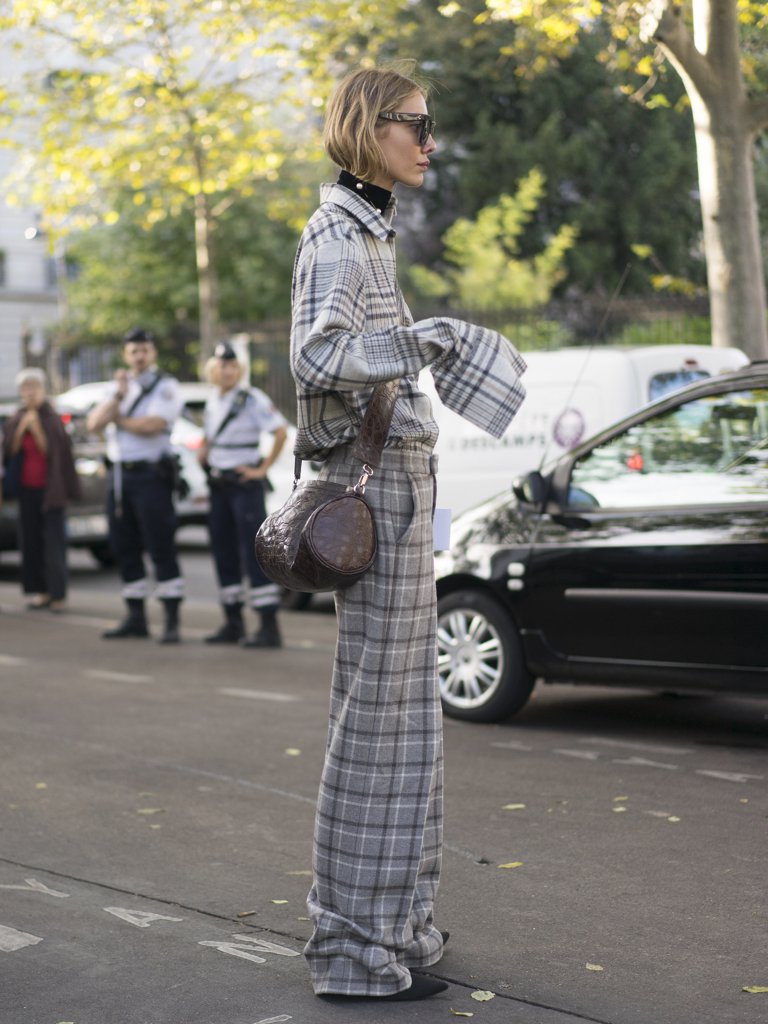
[351,329]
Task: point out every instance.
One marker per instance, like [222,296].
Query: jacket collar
[379,224]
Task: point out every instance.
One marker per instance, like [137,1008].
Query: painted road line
[729,776]
[11,939]
[652,747]
[117,677]
[282,698]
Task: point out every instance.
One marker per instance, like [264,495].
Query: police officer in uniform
[138,417]
[235,419]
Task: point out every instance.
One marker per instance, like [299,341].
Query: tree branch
[757,114]
[663,23]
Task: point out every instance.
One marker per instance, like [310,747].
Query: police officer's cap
[224,351]
[138,334]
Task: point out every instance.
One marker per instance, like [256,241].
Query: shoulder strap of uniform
[238,403]
[144,392]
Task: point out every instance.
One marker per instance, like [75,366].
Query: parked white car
[572,394]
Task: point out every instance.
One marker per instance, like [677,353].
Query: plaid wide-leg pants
[378,828]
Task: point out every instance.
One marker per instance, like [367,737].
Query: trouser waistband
[416,459]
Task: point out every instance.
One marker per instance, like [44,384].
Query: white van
[571,394]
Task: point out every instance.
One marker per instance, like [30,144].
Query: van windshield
[662,383]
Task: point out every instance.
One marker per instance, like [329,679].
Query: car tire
[482,674]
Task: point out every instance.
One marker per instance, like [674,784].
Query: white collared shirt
[238,443]
[164,401]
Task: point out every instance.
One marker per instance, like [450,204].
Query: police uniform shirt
[238,442]
[164,401]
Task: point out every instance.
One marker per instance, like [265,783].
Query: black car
[640,558]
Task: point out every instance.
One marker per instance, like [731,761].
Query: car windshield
[707,451]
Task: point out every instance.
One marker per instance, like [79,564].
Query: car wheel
[482,675]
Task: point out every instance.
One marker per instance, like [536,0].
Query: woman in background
[48,482]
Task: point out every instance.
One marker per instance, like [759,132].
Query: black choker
[375,195]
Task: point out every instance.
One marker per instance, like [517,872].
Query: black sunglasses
[424,121]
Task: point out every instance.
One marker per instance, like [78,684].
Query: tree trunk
[207,279]
[710,67]
[731,229]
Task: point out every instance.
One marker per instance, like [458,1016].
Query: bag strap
[369,443]
[143,394]
[238,403]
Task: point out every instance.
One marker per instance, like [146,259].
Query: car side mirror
[530,488]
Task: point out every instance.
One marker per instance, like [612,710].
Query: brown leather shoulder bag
[324,536]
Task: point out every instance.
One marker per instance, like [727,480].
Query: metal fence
[584,321]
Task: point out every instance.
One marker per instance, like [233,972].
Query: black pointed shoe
[422,987]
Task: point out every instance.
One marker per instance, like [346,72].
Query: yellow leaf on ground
[279,902]
[247,913]
[616,799]
[482,996]
[672,818]
[41,785]
[594,967]
[513,807]
[618,810]
[512,864]
[292,751]
[460,1013]
[755,989]
[150,810]
[298,872]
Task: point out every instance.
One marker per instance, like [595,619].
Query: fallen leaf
[755,989]
[460,1013]
[743,800]
[292,751]
[672,818]
[303,918]
[279,902]
[594,967]
[150,810]
[41,785]
[513,807]
[618,798]
[155,826]
[298,873]
[618,810]
[482,996]
[247,913]
[512,864]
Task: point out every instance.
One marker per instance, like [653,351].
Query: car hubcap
[470,658]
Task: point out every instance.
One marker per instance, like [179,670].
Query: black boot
[171,629]
[134,623]
[231,630]
[269,633]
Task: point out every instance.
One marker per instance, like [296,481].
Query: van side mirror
[530,488]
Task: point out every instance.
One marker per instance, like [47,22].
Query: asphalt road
[605,854]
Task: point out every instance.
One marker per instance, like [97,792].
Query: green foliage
[674,329]
[620,173]
[130,274]
[484,270]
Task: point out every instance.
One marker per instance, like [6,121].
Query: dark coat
[62,483]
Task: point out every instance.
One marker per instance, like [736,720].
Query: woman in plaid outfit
[378,831]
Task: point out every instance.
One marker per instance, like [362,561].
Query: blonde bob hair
[349,136]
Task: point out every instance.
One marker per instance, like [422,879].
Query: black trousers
[43,546]
[145,521]
[237,512]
